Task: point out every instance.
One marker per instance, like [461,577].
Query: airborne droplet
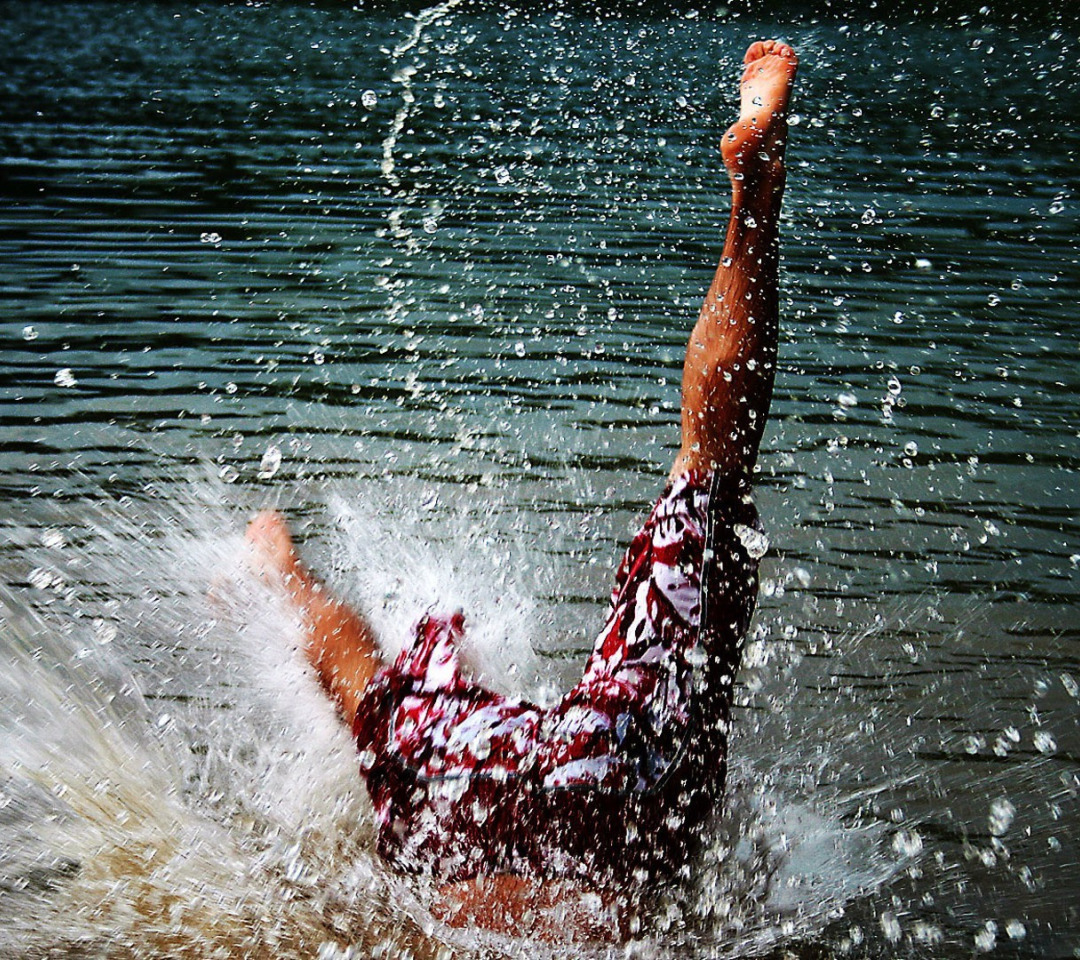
[1045,742]
[1002,814]
[755,542]
[270,463]
[890,926]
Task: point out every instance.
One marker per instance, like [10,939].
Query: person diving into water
[506,805]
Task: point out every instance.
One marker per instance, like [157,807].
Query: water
[425,282]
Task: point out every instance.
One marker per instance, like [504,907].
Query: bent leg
[340,645]
[731,358]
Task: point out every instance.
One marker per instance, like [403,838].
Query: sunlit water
[424,282]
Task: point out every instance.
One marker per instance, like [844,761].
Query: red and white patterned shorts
[619,776]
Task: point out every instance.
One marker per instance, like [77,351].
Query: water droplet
[1057,206]
[229,473]
[890,926]
[369,99]
[869,216]
[65,378]
[755,542]
[1002,814]
[923,264]
[1044,742]
[993,300]
[39,578]
[214,238]
[927,932]
[318,358]
[29,333]
[847,400]
[104,632]
[696,656]
[894,386]
[987,937]
[519,348]
[230,387]
[270,463]
[911,448]
[1016,930]
[726,262]
[502,175]
[1070,685]
[907,843]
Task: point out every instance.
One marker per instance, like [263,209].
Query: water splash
[183,790]
[403,77]
[185,787]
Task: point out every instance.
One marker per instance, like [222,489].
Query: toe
[755,52]
[765,48]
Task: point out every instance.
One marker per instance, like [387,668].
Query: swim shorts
[614,780]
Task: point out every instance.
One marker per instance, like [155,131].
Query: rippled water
[425,282]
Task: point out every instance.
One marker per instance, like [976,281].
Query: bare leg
[340,645]
[731,358]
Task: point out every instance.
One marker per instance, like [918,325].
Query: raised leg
[340,645]
[731,358]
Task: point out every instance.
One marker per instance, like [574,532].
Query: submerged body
[508,806]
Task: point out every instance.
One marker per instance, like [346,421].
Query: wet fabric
[618,776]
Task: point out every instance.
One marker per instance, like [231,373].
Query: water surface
[425,282]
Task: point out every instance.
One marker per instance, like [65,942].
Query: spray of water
[175,784]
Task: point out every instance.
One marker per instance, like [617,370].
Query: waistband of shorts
[723,485]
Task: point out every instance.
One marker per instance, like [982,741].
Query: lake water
[424,282]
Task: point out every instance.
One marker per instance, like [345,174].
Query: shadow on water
[424,282]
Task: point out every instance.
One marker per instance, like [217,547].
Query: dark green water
[448,265]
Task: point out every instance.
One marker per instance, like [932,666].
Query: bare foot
[754,144]
[339,643]
[273,556]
